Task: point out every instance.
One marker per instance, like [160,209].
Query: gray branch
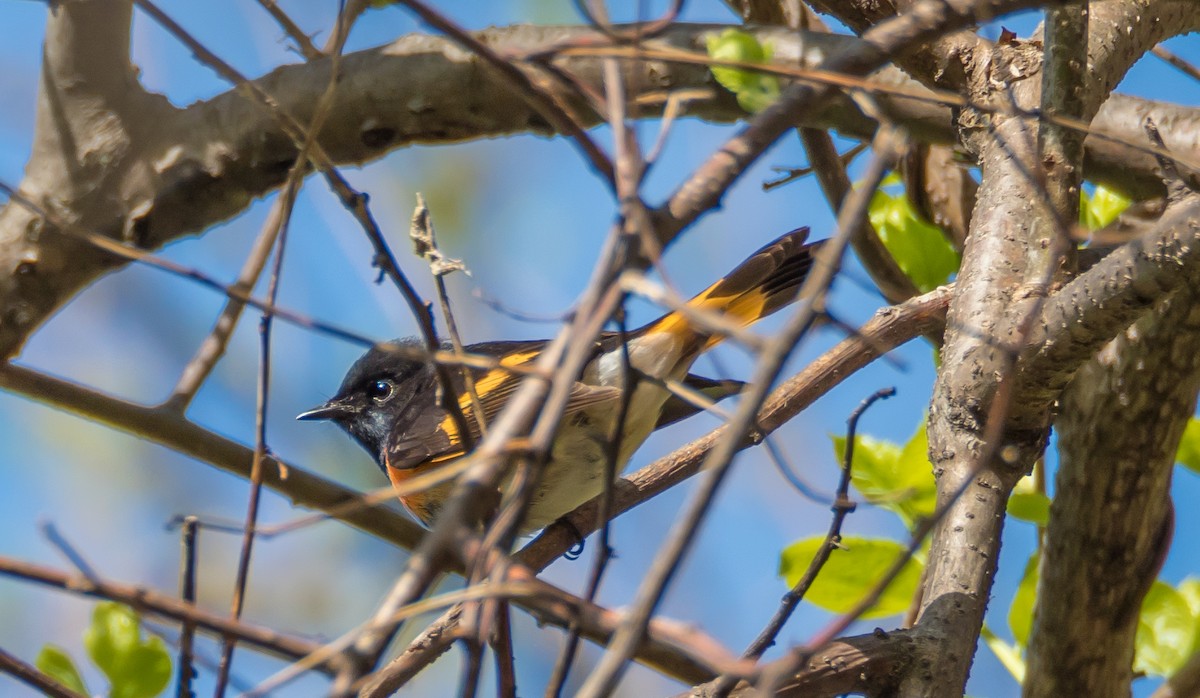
[984,433]
[1122,419]
[125,163]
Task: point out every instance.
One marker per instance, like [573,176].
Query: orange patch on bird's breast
[423,503]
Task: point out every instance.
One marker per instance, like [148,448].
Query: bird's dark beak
[330,410]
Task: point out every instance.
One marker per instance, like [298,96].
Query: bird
[388,401]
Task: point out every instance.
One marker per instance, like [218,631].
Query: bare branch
[30,675]
[1111,519]
[1064,94]
[304,43]
[153,603]
[169,429]
[982,438]
[180,182]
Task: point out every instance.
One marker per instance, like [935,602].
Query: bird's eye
[380,390]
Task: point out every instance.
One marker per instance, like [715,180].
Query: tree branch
[167,428]
[981,439]
[1121,421]
[150,602]
[181,171]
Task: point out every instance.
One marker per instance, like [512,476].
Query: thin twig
[424,238]
[630,167]
[260,438]
[472,665]
[502,650]
[64,546]
[149,602]
[285,203]
[303,42]
[1185,67]
[187,593]
[842,507]
[831,174]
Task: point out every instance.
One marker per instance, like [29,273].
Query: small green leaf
[754,91]
[1009,655]
[1166,631]
[57,664]
[1027,504]
[1188,454]
[1101,208]
[135,668]
[851,572]
[1020,614]
[919,248]
[1033,507]
[896,478]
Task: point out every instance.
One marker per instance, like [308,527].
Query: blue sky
[527,217]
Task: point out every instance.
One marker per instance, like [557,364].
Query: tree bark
[1121,421]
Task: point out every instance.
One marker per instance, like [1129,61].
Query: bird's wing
[435,437]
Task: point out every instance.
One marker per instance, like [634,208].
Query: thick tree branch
[1086,313]
[981,438]
[94,125]
[177,172]
[869,665]
[1064,93]
[980,434]
[1121,32]
[1110,522]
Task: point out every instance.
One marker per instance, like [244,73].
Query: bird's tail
[768,280]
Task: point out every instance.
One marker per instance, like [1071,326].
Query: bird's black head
[383,391]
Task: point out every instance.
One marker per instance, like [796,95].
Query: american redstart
[388,402]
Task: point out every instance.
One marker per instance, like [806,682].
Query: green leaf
[135,668]
[1020,614]
[1166,631]
[919,248]
[1189,589]
[1031,506]
[1188,454]
[1101,208]
[1027,504]
[896,478]
[754,91]
[57,664]
[1009,655]
[851,571]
